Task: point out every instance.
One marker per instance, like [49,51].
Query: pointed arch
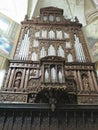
[42,52]
[46,75]
[51,51]
[35,43]
[69,57]
[59,34]
[60,51]
[60,76]
[51,34]
[37,34]
[53,74]
[68,45]
[44,33]
[34,56]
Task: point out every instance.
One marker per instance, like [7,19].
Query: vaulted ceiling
[85,10]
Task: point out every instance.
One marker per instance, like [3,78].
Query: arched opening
[51,51]
[60,51]
[34,56]
[69,57]
[42,52]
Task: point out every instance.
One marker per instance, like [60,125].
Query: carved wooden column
[80,82]
[11,78]
[94,79]
[72,44]
[91,82]
[23,79]
[7,78]
[31,37]
[77,81]
[26,78]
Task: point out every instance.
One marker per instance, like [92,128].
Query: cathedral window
[53,75]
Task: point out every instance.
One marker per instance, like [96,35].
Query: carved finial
[76,19]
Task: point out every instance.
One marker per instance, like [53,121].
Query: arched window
[53,74]
[69,57]
[51,51]
[60,51]
[51,34]
[42,52]
[34,56]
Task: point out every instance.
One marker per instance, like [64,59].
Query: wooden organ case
[51,68]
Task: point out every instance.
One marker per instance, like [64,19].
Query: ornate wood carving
[51,54]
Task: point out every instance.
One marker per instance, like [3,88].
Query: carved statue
[85,83]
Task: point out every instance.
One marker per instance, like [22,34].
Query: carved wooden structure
[51,70]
